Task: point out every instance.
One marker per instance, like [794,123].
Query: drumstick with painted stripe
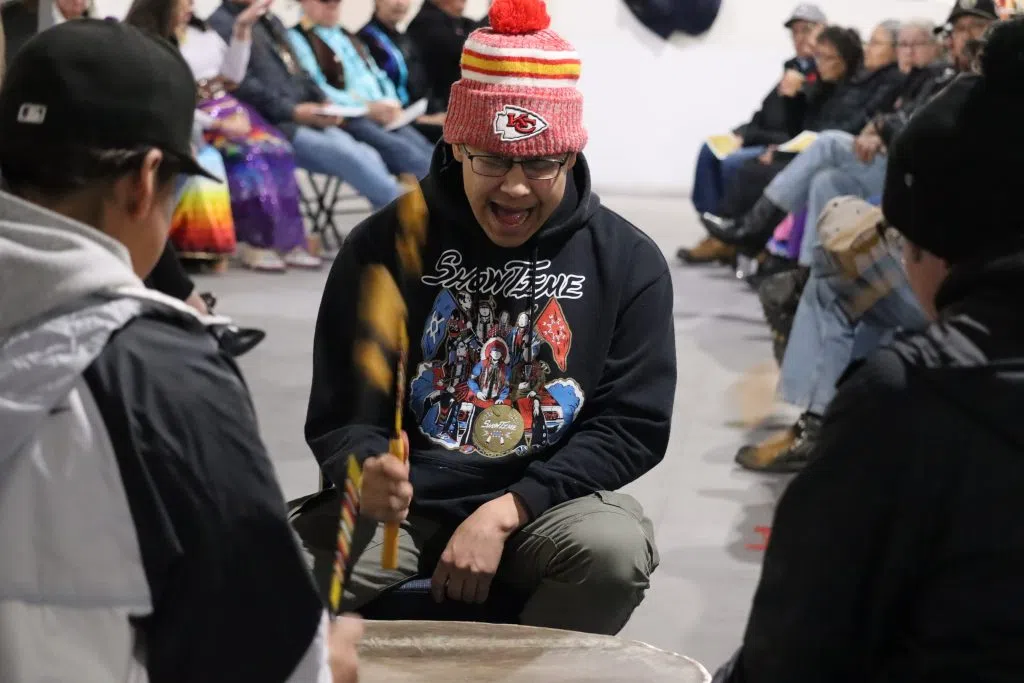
[346,527]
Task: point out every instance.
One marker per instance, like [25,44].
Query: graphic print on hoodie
[482,386]
[546,370]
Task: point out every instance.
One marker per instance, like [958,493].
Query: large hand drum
[442,652]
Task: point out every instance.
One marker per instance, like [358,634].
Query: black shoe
[237,341]
[780,297]
[803,450]
[750,233]
[714,223]
[771,265]
[785,453]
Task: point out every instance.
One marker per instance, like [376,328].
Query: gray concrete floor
[704,508]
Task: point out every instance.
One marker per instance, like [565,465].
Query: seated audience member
[766,127]
[21,20]
[151,536]
[838,162]
[439,31]
[518,443]
[849,100]
[396,53]
[808,378]
[202,227]
[256,160]
[344,69]
[896,555]
[831,328]
[849,89]
[286,97]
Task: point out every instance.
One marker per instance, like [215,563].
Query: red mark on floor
[765,532]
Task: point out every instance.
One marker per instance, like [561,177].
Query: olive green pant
[585,564]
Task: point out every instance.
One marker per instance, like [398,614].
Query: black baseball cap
[986,9]
[100,84]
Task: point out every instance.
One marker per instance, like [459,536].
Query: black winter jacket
[846,105]
[931,81]
[439,38]
[769,126]
[898,554]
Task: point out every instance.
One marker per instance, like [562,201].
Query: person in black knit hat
[898,553]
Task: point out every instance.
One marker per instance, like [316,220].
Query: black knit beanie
[955,179]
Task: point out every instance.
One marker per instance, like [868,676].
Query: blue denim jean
[332,151]
[404,150]
[823,342]
[713,175]
[825,170]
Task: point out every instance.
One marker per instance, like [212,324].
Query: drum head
[441,652]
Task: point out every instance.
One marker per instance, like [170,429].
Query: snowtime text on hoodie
[547,370]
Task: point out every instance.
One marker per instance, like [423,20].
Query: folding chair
[320,206]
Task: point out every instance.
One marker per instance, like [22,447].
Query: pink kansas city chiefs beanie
[517,95]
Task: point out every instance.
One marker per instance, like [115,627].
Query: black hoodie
[898,554]
[588,410]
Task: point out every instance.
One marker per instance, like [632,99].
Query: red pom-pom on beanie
[516,17]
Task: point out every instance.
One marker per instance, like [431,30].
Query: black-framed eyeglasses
[534,168]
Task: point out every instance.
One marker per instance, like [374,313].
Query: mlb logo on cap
[32,113]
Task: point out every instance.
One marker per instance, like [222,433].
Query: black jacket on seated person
[20,22]
[274,83]
[769,124]
[439,37]
[897,556]
[932,79]
[845,105]
[399,57]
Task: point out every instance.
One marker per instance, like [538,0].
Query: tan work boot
[708,250]
[786,451]
[760,456]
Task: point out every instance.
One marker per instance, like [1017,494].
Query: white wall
[354,13]
[650,103]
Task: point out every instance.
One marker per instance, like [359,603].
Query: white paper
[349,112]
[410,114]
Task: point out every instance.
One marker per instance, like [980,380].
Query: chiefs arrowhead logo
[513,124]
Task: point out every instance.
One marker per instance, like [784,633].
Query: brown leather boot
[708,250]
[760,456]
[785,452]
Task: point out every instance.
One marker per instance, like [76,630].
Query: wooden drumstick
[410,237]
[382,307]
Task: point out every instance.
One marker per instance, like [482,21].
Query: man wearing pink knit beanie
[541,367]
